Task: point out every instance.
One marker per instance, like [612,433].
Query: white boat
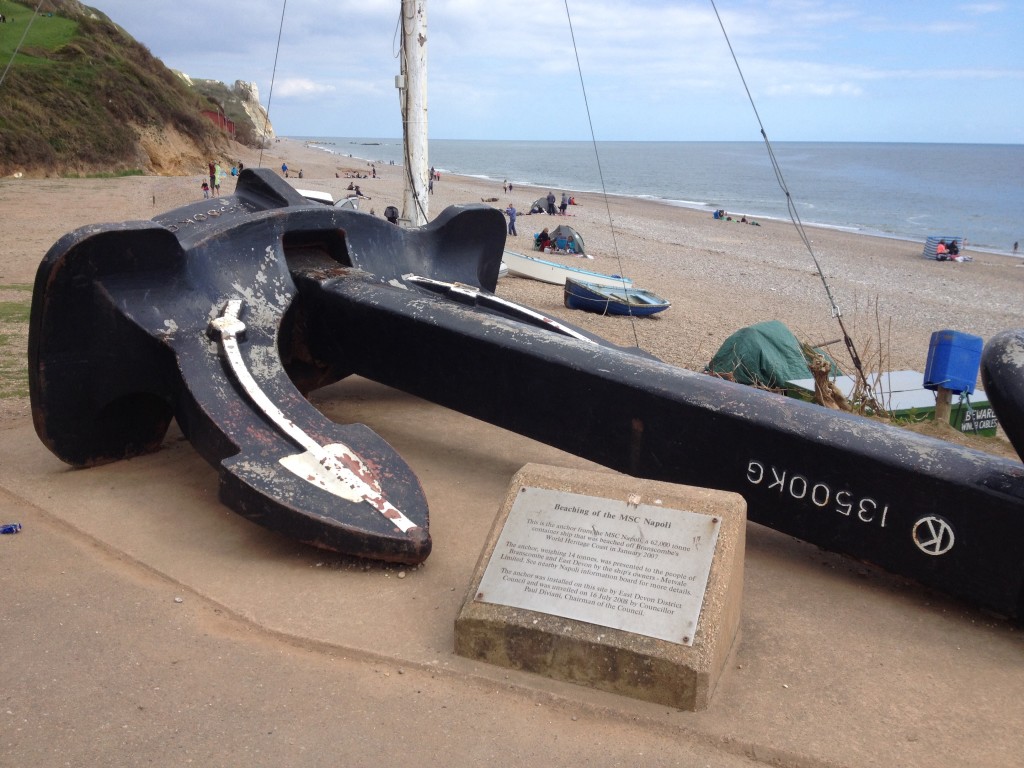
[521,265]
[327,198]
[316,196]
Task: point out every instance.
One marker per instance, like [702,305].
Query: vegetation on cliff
[216,93]
[82,96]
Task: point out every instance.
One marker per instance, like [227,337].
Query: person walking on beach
[284,169]
[218,174]
[213,176]
[564,204]
[551,203]
[511,213]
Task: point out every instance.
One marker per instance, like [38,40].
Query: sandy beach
[143,621]
[724,275]
[720,275]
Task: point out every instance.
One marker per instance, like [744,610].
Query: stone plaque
[567,542]
[641,568]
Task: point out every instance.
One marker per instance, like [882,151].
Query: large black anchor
[220,314]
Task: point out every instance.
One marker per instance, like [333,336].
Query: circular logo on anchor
[933,535]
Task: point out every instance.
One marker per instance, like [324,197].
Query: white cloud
[981,9]
[300,88]
[498,68]
[818,89]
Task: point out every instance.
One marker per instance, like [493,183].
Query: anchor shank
[915,506]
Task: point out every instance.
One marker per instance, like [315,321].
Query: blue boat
[612,300]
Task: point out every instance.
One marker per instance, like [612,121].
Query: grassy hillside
[14,311]
[80,90]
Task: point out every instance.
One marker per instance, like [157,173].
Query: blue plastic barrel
[953,361]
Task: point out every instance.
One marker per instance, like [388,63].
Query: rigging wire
[273,75]
[597,157]
[791,206]
[20,42]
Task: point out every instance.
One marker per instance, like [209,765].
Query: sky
[646,70]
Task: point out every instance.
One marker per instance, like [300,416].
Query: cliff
[82,97]
[240,104]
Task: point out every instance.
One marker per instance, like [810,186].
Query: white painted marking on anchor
[933,535]
[335,468]
[512,308]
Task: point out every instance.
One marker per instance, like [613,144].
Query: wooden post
[413,86]
[943,402]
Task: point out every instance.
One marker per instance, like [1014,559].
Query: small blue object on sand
[10,527]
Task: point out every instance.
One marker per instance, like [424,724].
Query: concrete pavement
[278,654]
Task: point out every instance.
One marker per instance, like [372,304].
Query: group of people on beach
[543,241]
[547,204]
[561,206]
[353,187]
[511,211]
[211,188]
[721,215]
[948,251]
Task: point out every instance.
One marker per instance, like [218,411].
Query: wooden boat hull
[612,300]
[554,273]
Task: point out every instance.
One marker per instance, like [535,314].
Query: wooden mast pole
[412,84]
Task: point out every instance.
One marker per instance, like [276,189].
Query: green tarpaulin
[766,354]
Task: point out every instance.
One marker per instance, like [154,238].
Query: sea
[899,190]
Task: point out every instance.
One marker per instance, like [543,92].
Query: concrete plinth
[628,663]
